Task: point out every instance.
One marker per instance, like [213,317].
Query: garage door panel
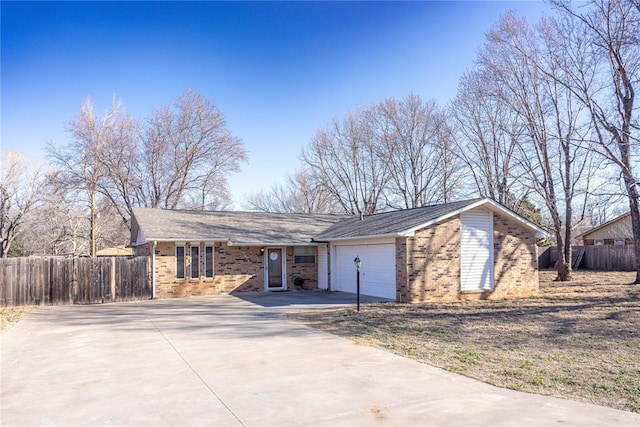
[377,273]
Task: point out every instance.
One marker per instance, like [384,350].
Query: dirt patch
[577,340]
[9,316]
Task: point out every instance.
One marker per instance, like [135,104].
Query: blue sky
[278,70]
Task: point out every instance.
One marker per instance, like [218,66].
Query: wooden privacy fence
[59,281]
[602,258]
[609,258]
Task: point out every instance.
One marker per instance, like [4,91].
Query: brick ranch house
[473,249]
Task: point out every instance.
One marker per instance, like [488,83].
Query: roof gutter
[309,243]
[372,236]
[182,239]
[231,243]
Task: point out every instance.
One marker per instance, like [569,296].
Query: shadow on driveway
[306,299]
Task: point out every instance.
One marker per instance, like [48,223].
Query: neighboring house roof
[618,227]
[406,222]
[260,228]
[237,228]
[116,251]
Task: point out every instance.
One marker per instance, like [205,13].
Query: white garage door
[377,271]
[476,250]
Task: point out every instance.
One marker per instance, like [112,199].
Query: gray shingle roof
[387,223]
[280,228]
[238,227]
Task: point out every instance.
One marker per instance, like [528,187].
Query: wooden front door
[274,268]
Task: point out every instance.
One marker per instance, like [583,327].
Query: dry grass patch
[577,340]
[12,315]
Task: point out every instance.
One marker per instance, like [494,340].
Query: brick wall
[516,260]
[309,272]
[428,264]
[433,264]
[236,269]
[402,286]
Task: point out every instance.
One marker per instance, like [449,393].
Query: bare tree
[487,136]
[551,148]
[86,163]
[416,142]
[396,154]
[345,158]
[110,229]
[598,47]
[187,154]
[300,194]
[119,157]
[276,199]
[58,226]
[21,183]
[308,195]
[181,158]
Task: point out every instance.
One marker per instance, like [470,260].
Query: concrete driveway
[230,361]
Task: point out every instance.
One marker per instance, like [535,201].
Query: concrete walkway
[229,361]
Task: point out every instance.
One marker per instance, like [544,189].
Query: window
[195,262]
[599,242]
[179,262]
[208,262]
[619,242]
[304,254]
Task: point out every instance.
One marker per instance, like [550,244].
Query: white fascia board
[272,244]
[373,236]
[365,241]
[493,206]
[230,243]
[183,240]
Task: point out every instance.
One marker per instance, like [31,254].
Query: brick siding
[428,264]
[432,264]
[236,269]
[515,260]
[308,272]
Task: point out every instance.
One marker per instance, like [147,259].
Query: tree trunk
[564,270]
[93,225]
[563,266]
[567,270]
[635,226]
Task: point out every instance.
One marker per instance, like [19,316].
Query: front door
[274,269]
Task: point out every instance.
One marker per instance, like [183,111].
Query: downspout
[329,261]
[153,270]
